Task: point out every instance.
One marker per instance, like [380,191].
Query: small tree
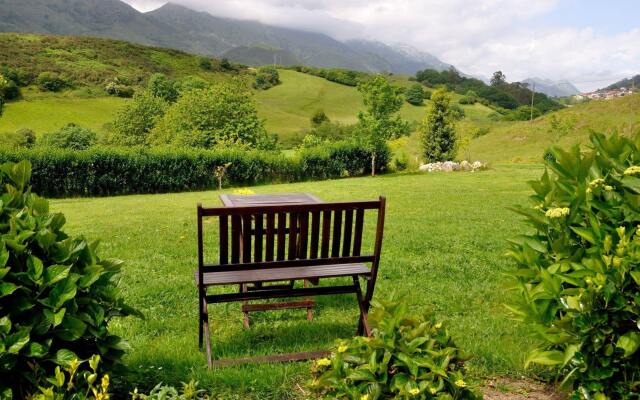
[318,118]
[380,122]
[72,137]
[51,82]
[415,94]
[437,132]
[266,78]
[498,78]
[161,86]
[134,122]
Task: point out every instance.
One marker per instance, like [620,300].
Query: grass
[444,243]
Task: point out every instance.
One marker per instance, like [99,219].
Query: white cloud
[478,37]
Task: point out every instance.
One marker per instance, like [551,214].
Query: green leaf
[5,324]
[64,357]
[56,273]
[549,357]
[37,350]
[361,375]
[636,277]
[629,342]
[21,174]
[15,342]
[72,328]
[586,234]
[91,274]
[6,288]
[35,268]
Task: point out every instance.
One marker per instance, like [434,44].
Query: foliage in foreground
[579,273]
[407,357]
[74,381]
[56,295]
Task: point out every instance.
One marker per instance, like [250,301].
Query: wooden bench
[286,243]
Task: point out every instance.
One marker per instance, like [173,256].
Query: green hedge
[108,171]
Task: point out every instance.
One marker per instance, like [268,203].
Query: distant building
[604,94]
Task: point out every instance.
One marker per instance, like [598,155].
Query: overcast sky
[588,42]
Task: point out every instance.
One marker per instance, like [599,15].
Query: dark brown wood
[326,233]
[311,355]
[282,238]
[297,242]
[337,232]
[315,235]
[270,242]
[348,226]
[357,235]
[244,200]
[257,252]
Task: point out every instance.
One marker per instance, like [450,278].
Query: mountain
[552,88]
[626,83]
[179,27]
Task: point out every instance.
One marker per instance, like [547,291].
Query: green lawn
[444,248]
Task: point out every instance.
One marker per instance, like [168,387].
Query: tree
[51,82]
[225,113]
[380,122]
[134,122]
[72,137]
[318,118]
[415,94]
[205,63]
[266,78]
[161,86]
[437,132]
[498,78]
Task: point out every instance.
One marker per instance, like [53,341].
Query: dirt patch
[519,389]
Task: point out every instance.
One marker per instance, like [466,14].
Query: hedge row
[108,171]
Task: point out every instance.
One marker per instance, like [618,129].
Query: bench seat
[282,274]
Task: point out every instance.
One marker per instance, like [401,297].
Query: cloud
[478,37]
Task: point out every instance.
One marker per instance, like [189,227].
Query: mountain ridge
[553,88]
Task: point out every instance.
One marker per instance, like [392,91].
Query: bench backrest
[256,237]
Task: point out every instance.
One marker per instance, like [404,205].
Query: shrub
[415,95]
[1,105]
[223,114]
[319,117]
[205,63]
[225,64]
[522,113]
[74,382]
[137,118]
[108,171]
[116,88]
[161,86]
[407,357]
[578,273]
[426,94]
[266,78]
[192,82]
[71,137]
[52,82]
[189,391]
[56,295]
[9,90]
[22,138]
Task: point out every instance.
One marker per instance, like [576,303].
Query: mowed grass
[52,113]
[444,249]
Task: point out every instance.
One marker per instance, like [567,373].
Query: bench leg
[245,316]
[207,334]
[309,309]
[363,324]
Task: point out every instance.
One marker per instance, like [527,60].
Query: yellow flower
[433,390]
[608,188]
[414,391]
[342,348]
[596,182]
[105,382]
[365,397]
[632,170]
[243,191]
[460,383]
[557,212]
[323,362]
[438,325]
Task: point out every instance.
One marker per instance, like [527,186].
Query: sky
[590,43]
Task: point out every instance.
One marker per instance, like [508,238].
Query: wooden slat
[293,236]
[357,235]
[224,240]
[257,243]
[213,211]
[337,231]
[269,242]
[230,362]
[348,226]
[303,251]
[246,238]
[282,274]
[282,235]
[315,234]
[277,306]
[236,230]
[289,263]
[326,234]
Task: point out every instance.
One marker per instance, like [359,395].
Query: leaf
[91,274]
[629,342]
[37,350]
[56,273]
[72,328]
[6,288]
[549,357]
[15,342]
[35,268]
[64,357]
[569,352]
[361,375]
[585,233]
[636,277]
[5,324]
[21,174]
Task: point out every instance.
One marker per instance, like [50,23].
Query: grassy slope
[442,249]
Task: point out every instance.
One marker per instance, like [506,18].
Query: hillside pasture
[444,249]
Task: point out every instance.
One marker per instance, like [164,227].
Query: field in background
[444,248]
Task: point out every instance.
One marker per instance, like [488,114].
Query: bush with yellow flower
[578,273]
[407,357]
